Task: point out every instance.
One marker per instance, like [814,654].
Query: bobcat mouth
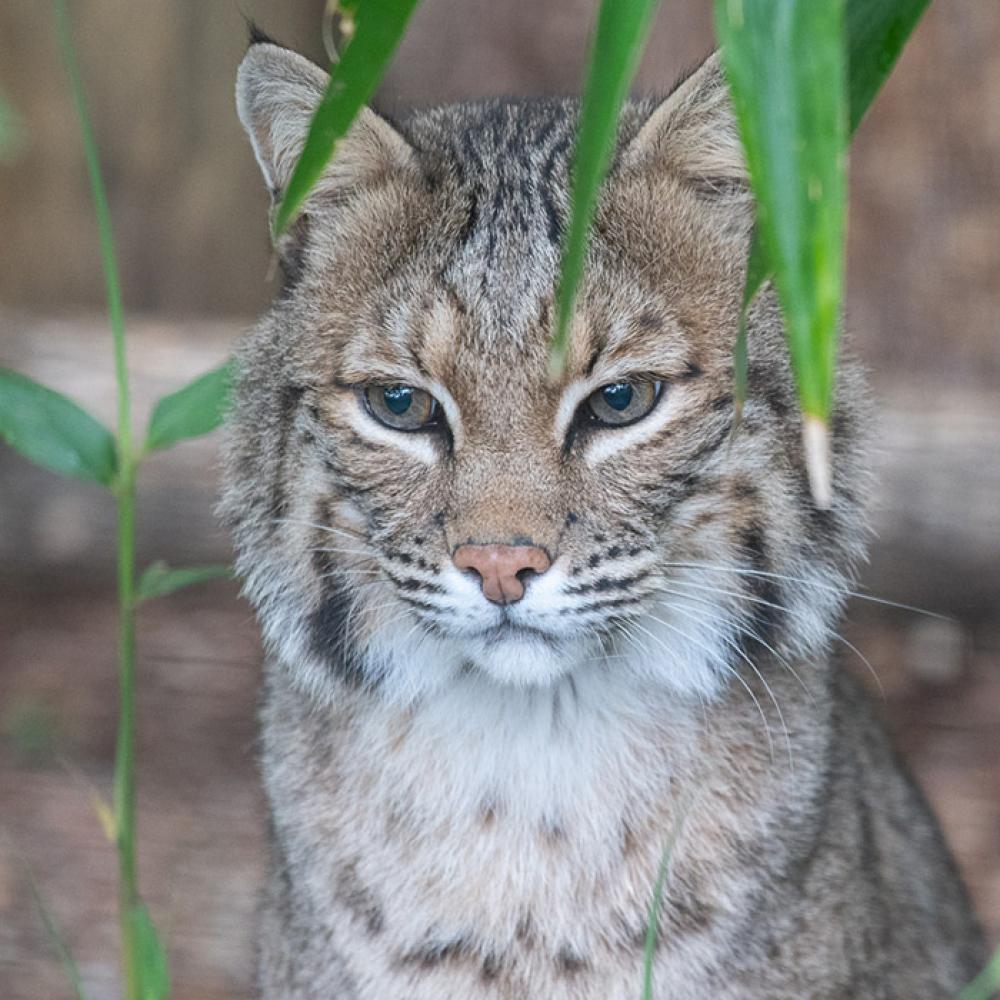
[507,631]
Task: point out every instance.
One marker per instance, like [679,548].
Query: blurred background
[190,218]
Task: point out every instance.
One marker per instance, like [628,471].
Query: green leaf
[192,411]
[987,984]
[58,941]
[154,976]
[622,29]
[373,30]
[53,431]
[877,30]
[11,130]
[159,579]
[786,64]
[656,903]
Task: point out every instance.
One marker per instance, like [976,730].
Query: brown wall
[188,207]
[184,189]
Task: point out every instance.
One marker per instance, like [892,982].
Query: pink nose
[500,568]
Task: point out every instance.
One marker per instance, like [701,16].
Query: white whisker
[864,659]
[734,646]
[832,588]
[727,667]
[744,629]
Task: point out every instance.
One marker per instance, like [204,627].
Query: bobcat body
[475,771]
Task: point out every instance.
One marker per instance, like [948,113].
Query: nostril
[502,570]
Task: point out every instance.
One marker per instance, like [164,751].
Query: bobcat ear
[693,133]
[277,92]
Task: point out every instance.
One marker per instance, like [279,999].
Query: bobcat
[532,637]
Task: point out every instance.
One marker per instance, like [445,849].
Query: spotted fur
[474,801]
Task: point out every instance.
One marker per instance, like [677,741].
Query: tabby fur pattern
[474,801]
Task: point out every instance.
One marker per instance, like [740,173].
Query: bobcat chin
[527,634]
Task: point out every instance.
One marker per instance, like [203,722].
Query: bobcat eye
[622,403]
[401,407]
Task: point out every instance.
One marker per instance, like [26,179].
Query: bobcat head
[414,498]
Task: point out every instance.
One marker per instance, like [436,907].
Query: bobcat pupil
[617,396]
[398,398]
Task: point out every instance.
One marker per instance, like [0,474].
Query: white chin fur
[522,662]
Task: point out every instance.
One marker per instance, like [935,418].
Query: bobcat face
[414,495]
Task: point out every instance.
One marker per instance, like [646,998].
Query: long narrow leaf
[53,431]
[656,903]
[153,972]
[622,29]
[161,579]
[877,30]
[786,65]
[194,410]
[376,28]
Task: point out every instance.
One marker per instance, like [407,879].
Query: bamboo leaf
[153,971]
[159,579]
[373,29]
[622,29]
[54,431]
[786,65]
[877,30]
[194,410]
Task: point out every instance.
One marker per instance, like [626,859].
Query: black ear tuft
[257,36]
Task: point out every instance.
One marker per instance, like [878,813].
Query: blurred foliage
[53,431]
[32,728]
[11,130]
[194,410]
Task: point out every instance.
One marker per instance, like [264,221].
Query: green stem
[124,780]
[124,793]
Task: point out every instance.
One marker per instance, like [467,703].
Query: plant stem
[124,779]
[124,796]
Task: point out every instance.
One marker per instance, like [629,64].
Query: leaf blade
[622,29]
[193,410]
[786,64]
[154,974]
[376,30]
[876,30]
[53,431]
[159,579]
